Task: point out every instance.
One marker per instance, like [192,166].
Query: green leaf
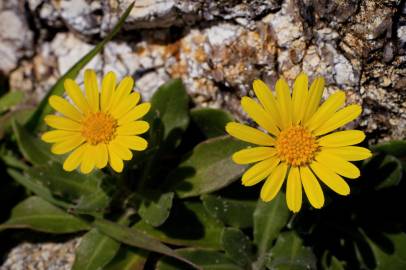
[208,168]
[188,225]
[128,258]
[36,187]
[169,104]
[237,246]
[84,191]
[336,264]
[32,148]
[10,99]
[155,207]
[290,254]
[36,214]
[95,251]
[235,213]
[211,122]
[269,219]
[207,259]
[390,171]
[394,260]
[44,108]
[135,238]
[395,148]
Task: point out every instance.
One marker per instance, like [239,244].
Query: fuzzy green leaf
[269,219]
[84,191]
[395,148]
[208,168]
[390,171]
[10,99]
[36,214]
[32,148]
[207,259]
[155,207]
[235,213]
[211,122]
[170,105]
[95,251]
[37,188]
[128,258]
[189,225]
[237,246]
[135,238]
[44,108]
[290,254]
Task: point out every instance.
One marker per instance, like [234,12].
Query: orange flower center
[99,127]
[296,145]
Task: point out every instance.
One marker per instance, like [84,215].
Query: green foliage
[208,168]
[9,100]
[207,259]
[269,219]
[235,213]
[36,214]
[290,254]
[210,122]
[180,203]
[95,251]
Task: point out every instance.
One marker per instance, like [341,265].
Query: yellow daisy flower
[99,128]
[298,142]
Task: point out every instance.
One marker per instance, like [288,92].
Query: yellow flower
[298,142]
[99,128]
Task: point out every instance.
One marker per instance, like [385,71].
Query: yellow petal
[249,134]
[349,153]
[101,155]
[313,101]
[299,98]
[133,128]
[330,178]
[121,151]
[338,165]
[267,99]
[342,138]
[123,90]
[284,102]
[259,171]
[125,105]
[311,187]
[92,89]
[133,142]
[75,93]
[60,122]
[254,154]
[108,88]
[64,107]
[326,110]
[89,161]
[339,119]
[67,145]
[274,182]
[57,135]
[74,159]
[294,190]
[259,115]
[135,114]
[114,160]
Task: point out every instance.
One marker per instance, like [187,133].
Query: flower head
[99,128]
[299,143]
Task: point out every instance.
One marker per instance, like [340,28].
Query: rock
[16,39]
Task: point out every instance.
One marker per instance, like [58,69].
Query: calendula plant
[161,185]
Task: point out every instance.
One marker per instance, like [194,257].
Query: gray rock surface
[219,47]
